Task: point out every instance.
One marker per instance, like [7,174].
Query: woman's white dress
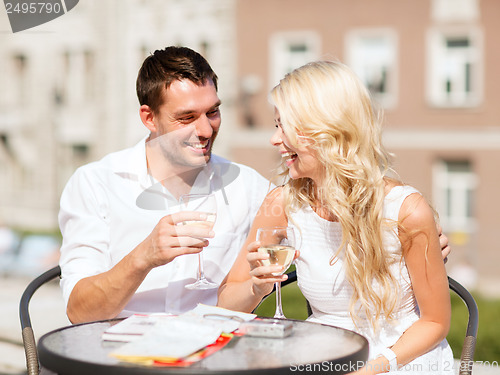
[329,293]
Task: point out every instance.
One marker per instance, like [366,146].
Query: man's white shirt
[110,206]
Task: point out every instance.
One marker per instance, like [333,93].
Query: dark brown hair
[161,68]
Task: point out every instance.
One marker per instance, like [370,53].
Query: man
[122,246]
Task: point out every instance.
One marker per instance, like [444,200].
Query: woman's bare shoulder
[391,183]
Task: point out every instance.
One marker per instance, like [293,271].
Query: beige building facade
[431,65]
[67,91]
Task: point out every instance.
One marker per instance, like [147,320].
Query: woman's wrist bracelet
[391,357]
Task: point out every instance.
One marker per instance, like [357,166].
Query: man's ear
[147,118]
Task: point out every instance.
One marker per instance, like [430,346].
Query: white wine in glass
[207,204]
[279,255]
[279,243]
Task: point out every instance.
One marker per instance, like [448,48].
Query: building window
[89,74]
[291,50]
[5,144]
[19,89]
[455,68]
[76,83]
[204,49]
[80,151]
[454,188]
[372,54]
[455,10]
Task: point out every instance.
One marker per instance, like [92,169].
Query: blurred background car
[29,255]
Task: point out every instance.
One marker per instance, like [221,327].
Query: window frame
[437,52]
[353,40]
[279,45]
[454,194]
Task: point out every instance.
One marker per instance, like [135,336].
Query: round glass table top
[311,347]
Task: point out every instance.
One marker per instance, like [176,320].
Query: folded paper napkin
[183,335]
[134,327]
[173,339]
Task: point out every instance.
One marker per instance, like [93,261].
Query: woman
[370,258]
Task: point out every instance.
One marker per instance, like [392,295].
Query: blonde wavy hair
[325,105]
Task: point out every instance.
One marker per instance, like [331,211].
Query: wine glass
[279,243]
[205,203]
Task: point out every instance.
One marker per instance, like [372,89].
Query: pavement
[48,313]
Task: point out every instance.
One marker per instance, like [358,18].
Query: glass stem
[279,310]
[201,272]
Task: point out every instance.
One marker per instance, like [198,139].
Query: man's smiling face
[187,123]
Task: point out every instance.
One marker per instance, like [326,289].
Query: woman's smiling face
[299,159]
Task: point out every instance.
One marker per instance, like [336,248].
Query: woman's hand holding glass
[269,257]
[263,278]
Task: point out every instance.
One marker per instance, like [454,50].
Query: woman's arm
[248,281]
[422,253]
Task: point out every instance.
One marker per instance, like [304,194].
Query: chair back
[469,346]
[29,341]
